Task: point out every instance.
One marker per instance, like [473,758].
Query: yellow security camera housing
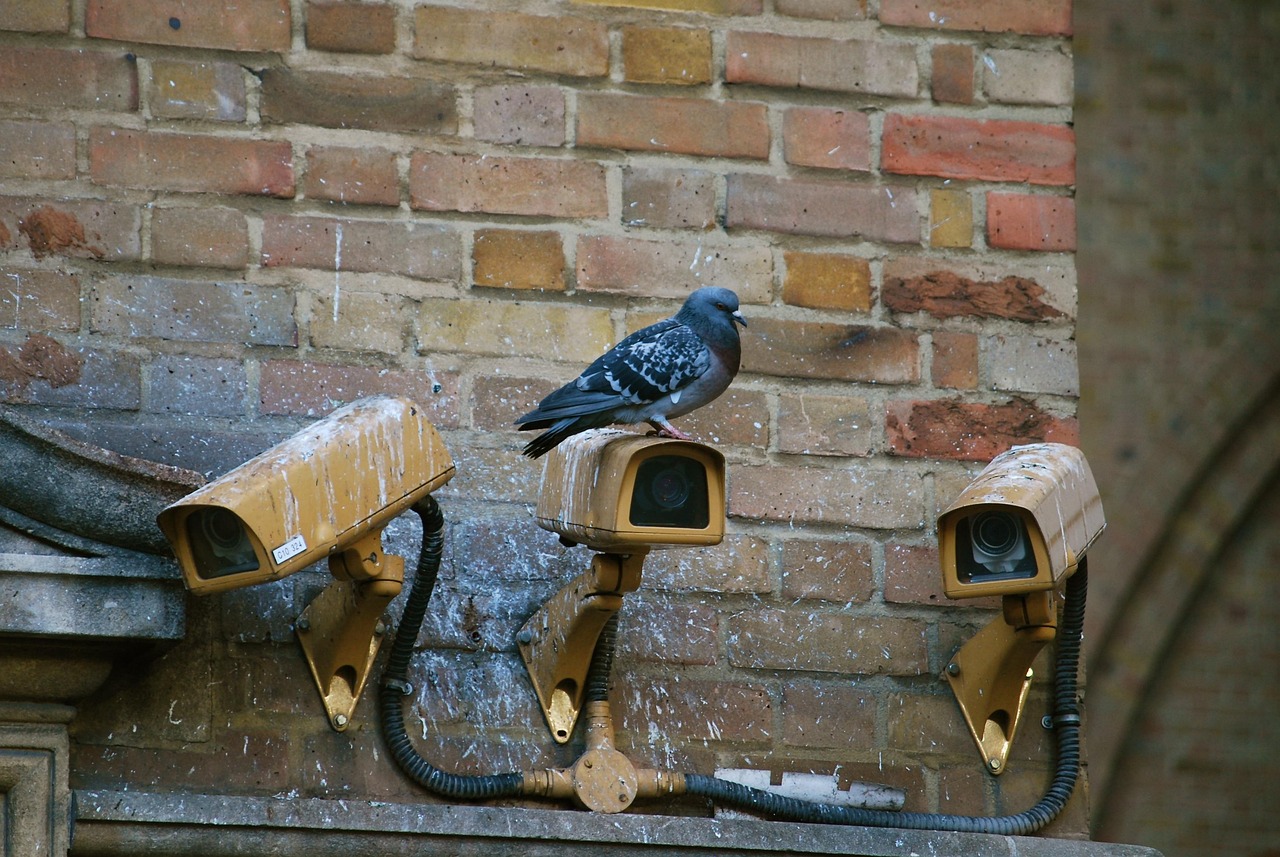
[326,492]
[1022,524]
[305,499]
[613,490]
[621,494]
[1017,531]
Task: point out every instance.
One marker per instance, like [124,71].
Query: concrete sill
[142,825]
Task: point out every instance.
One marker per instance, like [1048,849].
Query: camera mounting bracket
[558,641]
[341,630]
[991,674]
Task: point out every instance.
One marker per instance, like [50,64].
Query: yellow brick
[950,219]
[666,55]
[513,329]
[827,281]
[712,7]
[515,259]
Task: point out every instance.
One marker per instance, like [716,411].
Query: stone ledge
[139,824]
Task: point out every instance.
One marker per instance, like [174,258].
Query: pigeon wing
[648,365]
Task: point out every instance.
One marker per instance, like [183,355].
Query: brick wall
[215,227]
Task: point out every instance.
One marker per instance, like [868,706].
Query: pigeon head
[712,308]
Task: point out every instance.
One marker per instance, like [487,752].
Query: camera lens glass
[220,543]
[995,534]
[993,545]
[670,491]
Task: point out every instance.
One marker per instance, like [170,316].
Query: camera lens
[998,548]
[670,491]
[220,543]
[670,488]
[222,528]
[995,533]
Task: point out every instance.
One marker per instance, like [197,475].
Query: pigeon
[662,371]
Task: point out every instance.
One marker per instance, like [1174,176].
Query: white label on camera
[289,549]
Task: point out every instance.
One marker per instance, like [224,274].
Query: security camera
[1017,531]
[1022,525]
[309,497]
[621,494]
[613,490]
[328,491]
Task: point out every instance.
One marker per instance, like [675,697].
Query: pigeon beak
[737,316]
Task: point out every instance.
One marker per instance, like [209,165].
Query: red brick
[666,55]
[823,137]
[505,185]
[82,228]
[368,101]
[952,80]
[994,287]
[571,46]
[359,28]
[696,709]
[691,126]
[828,209]
[206,236]
[858,496]
[912,575]
[828,715]
[1031,222]
[50,78]
[668,198]
[39,300]
[187,162]
[653,629]
[37,150]
[813,424]
[496,402]
[932,724]
[197,90]
[292,387]
[419,250]
[989,150]
[955,360]
[364,176]
[738,564]
[257,25]
[946,294]
[827,281]
[37,16]
[520,115]
[948,428]
[844,352]
[842,65]
[797,639]
[517,259]
[43,371]
[627,265]
[826,570]
[1031,17]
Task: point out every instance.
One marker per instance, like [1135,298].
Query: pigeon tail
[552,437]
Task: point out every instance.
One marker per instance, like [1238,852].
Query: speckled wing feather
[649,364]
